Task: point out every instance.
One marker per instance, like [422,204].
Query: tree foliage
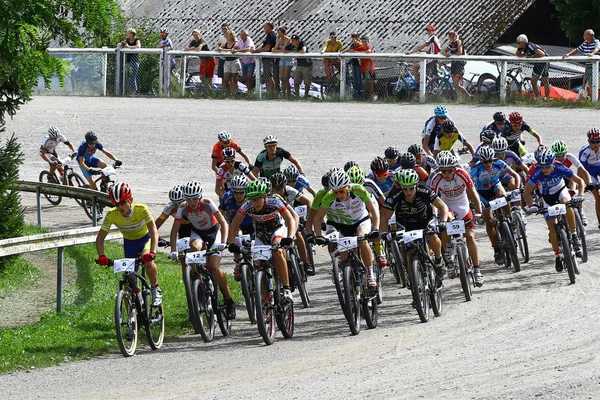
[578,15]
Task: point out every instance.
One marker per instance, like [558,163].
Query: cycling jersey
[512,136]
[348,211]
[86,152]
[442,142]
[301,183]
[267,220]
[171,209]
[588,157]
[552,183]
[217,151]
[204,220]
[415,214]
[432,128]
[373,189]
[486,180]
[224,175]
[571,160]
[270,167]
[319,196]
[494,127]
[290,194]
[386,185]
[49,144]
[229,207]
[395,167]
[132,227]
[454,192]
[512,158]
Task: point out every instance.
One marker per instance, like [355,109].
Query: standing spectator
[207,64]
[267,62]
[355,63]
[221,42]
[285,64]
[245,45]
[431,46]
[332,45]
[304,66]
[532,50]
[165,42]
[232,66]
[589,47]
[457,68]
[367,66]
[133,60]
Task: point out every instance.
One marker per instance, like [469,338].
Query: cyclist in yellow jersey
[140,236]
[448,136]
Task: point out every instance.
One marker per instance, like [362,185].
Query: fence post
[257,75]
[38,194]
[124,90]
[94,211]
[183,74]
[59,280]
[166,65]
[595,82]
[503,67]
[118,76]
[104,71]
[422,80]
[161,74]
[343,67]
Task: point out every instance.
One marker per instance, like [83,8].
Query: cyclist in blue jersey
[500,146]
[88,162]
[391,155]
[498,124]
[486,177]
[589,155]
[550,177]
[381,175]
[296,180]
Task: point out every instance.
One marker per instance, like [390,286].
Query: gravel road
[524,335]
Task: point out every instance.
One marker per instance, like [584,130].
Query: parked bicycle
[516,82]
[69,177]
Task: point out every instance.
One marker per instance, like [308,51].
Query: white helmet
[238,183]
[499,144]
[446,159]
[224,136]
[53,131]
[192,190]
[270,139]
[339,180]
[176,194]
[291,173]
[486,153]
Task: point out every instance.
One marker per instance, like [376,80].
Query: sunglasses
[516,124]
[229,161]
[341,191]
[560,155]
[595,141]
[545,166]
[487,162]
[500,153]
[409,188]
[381,174]
[446,171]
[239,192]
[121,203]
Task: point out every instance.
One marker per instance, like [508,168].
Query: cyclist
[560,150]
[224,142]
[228,169]
[391,155]
[589,155]
[513,131]
[209,228]
[349,165]
[456,189]
[448,136]
[269,214]
[88,162]
[413,205]
[176,201]
[140,236]
[351,212]
[498,124]
[409,161]
[550,177]
[316,203]
[422,159]
[296,180]
[268,161]
[500,146]
[486,177]
[486,137]
[381,175]
[433,127]
[48,150]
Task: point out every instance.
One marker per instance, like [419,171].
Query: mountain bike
[516,82]
[504,234]
[133,308]
[395,249]
[69,177]
[302,212]
[460,254]
[246,269]
[518,225]
[107,178]
[297,275]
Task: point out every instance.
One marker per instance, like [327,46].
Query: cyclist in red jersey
[217,151]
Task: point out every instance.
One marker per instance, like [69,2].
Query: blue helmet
[546,157]
[440,111]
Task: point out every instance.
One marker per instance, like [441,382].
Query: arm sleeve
[284,153]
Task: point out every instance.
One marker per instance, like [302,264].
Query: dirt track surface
[524,335]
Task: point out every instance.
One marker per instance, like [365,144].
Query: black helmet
[415,149]
[278,179]
[349,165]
[325,180]
[379,165]
[408,161]
[499,116]
[391,153]
[448,126]
[91,137]
[487,136]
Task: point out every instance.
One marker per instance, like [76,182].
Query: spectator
[207,64]
[367,66]
[355,63]
[245,45]
[221,42]
[304,66]
[431,46]
[268,62]
[232,66]
[133,60]
[332,45]
[457,68]
[532,50]
[285,64]
[165,42]
[589,47]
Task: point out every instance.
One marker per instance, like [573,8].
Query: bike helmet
[486,153]
[515,117]
[238,183]
[440,111]
[448,126]
[408,161]
[291,173]
[267,182]
[391,153]
[339,180]
[356,175]
[228,153]
[415,149]
[446,159]
[499,144]
[546,157]
[379,165]
[559,147]
[176,194]
[487,136]
[278,179]
[53,131]
[270,139]
[192,190]
[325,180]
[91,137]
[538,151]
[406,177]
[349,165]
[119,192]
[593,134]
[499,117]
[256,188]
[224,136]
[164,30]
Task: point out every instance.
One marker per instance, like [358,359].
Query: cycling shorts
[462,211]
[518,148]
[185,230]
[349,230]
[552,199]
[594,171]
[90,162]
[52,156]
[134,248]
[486,195]
[504,179]
[208,236]
[266,238]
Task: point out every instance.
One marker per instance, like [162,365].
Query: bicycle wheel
[401,89]
[419,290]
[310,251]
[45,177]
[205,309]
[126,323]
[154,322]
[369,303]
[352,301]
[297,280]
[435,293]
[76,180]
[440,87]
[247,281]
[568,255]
[465,270]
[265,320]
[284,316]
[581,233]
[188,284]
[338,281]
[193,83]
[521,237]
[224,323]
[510,246]
[87,205]
[399,270]
[488,85]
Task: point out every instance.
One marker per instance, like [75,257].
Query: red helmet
[593,134]
[119,192]
[515,117]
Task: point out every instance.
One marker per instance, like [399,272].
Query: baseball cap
[430,28]
[332,34]
[364,37]
[452,32]
[295,37]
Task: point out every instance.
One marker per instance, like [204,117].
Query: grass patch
[86,326]
[17,274]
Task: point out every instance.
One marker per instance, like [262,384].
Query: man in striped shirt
[589,47]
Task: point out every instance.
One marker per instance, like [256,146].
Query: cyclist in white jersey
[48,150]
[228,169]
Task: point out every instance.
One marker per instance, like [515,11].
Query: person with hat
[457,68]
[303,71]
[332,45]
[531,50]
[133,60]
[431,46]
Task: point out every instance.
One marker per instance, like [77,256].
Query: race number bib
[498,203]
[196,257]
[392,220]
[124,265]
[528,158]
[183,244]
[261,252]
[455,227]
[333,236]
[411,236]
[347,243]
[108,171]
[556,210]
[302,211]
[515,196]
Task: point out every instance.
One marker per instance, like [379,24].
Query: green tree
[578,15]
